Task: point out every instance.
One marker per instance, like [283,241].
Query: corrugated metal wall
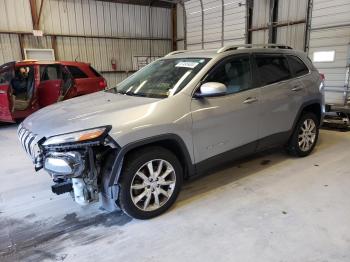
[330,31]
[100,51]
[292,35]
[9,48]
[15,16]
[212,24]
[98,18]
[89,31]
[259,20]
[291,18]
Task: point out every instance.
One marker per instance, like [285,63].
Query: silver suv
[132,146]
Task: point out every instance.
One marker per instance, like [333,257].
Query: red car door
[68,87]
[49,89]
[6,103]
[86,80]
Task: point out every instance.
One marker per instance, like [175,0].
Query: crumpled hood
[94,110]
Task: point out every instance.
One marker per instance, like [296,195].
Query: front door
[49,89]
[6,103]
[224,123]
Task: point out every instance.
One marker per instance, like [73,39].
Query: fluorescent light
[323,56]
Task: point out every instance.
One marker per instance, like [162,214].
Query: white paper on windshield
[187,64]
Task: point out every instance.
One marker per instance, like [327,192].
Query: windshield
[161,78]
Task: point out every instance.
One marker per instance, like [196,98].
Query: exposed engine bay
[81,168]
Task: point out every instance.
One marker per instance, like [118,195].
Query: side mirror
[211,89]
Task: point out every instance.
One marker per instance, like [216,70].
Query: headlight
[79,136]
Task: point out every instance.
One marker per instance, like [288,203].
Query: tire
[142,195]
[307,130]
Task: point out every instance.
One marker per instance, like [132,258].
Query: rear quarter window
[76,72]
[272,68]
[297,66]
[93,70]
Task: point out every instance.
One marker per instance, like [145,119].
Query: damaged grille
[29,142]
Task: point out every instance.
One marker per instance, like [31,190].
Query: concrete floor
[269,208]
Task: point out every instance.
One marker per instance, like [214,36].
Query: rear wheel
[305,135]
[150,182]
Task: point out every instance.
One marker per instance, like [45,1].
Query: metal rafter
[35,14]
[155,3]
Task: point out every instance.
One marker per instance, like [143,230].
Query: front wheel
[150,182]
[305,135]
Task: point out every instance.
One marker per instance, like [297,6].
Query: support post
[272,19]
[249,21]
[54,46]
[174,27]
[308,25]
[185,26]
[21,45]
[202,12]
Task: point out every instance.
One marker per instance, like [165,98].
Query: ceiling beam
[34,13]
[155,3]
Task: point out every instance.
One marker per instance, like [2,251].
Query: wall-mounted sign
[38,33]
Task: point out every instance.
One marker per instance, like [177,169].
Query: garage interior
[267,207]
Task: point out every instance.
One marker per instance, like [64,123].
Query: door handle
[297,88]
[250,100]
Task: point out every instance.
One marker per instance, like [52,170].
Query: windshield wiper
[129,93]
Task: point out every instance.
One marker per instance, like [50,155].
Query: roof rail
[176,52]
[235,47]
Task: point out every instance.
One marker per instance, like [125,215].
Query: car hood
[89,111]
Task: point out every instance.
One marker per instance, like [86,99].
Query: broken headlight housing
[78,137]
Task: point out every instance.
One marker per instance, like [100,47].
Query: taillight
[322,76]
[321,87]
[102,84]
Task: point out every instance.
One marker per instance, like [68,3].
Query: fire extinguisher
[114,63]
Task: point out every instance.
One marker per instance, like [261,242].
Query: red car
[27,86]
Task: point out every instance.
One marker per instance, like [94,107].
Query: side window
[298,67]
[272,68]
[76,72]
[5,77]
[50,72]
[235,73]
[67,81]
[97,74]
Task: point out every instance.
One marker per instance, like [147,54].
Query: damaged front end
[78,163]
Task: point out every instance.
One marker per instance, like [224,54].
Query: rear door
[6,103]
[68,86]
[281,98]
[49,89]
[86,81]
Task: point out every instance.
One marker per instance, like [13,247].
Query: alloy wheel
[307,135]
[153,185]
